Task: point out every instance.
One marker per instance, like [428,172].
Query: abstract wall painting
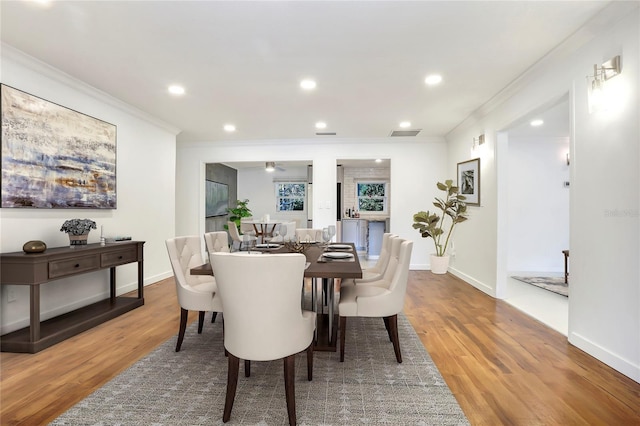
[55,157]
[469,181]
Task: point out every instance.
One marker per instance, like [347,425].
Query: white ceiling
[241,61]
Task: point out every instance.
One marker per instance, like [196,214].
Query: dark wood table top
[328,269]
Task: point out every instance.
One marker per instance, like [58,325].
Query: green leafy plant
[238,212]
[434,225]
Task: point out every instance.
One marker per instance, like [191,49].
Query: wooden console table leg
[140,280]
[112,284]
[34,314]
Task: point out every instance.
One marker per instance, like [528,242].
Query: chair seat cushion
[348,306]
[370,274]
[206,287]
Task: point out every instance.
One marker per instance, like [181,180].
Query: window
[372,196]
[290,196]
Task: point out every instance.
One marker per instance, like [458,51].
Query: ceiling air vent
[405,132]
[325,133]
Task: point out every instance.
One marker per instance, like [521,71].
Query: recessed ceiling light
[405,124]
[433,79]
[308,84]
[229,128]
[378,160]
[537,122]
[321,125]
[176,90]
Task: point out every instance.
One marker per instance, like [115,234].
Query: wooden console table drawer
[63,268]
[121,257]
[36,269]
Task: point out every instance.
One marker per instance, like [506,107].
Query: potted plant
[78,230]
[436,225]
[238,212]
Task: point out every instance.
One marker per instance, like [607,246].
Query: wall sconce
[568,160]
[477,141]
[270,166]
[598,99]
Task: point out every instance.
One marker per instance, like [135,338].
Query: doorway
[534,162]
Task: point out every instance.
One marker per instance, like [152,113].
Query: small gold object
[34,246]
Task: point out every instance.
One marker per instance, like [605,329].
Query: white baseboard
[472,281]
[624,366]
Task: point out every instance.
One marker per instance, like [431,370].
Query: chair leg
[343,331]
[213,317]
[393,325]
[200,321]
[386,325]
[184,314]
[289,387]
[232,384]
[247,368]
[310,362]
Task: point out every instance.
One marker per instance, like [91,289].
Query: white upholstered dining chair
[216,241]
[376,272]
[264,320]
[241,239]
[195,292]
[378,300]
[308,234]
[286,231]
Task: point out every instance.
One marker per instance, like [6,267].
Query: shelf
[67,325]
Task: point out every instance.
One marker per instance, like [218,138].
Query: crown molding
[9,52]
[600,22]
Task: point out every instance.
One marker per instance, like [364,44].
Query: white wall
[538,208]
[604,302]
[257,185]
[145,191]
[416,165]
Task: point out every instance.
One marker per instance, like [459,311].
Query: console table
[34,269]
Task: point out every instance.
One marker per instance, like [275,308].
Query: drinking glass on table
[332,231]
[326,237]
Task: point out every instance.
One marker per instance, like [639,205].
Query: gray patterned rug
[188,387]
[554,284]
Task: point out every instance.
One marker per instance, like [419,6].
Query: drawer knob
[77,265]
[119,257]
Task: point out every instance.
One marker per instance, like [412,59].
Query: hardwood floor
[502,366]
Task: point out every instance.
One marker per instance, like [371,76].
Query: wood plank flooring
[502,366]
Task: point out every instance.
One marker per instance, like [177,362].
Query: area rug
[554,284]
[188,387]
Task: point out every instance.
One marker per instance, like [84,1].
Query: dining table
[263,228]
[325,272]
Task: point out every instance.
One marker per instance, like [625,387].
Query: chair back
[390,301]
[216,241]
[290,234]
[246,227]
[233,232]
[184,254]
[261,297]
[392,263]
[385,253]
[309,234]
[401,274]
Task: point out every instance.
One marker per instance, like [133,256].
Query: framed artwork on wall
[469,181]
[55,157]
[216,198]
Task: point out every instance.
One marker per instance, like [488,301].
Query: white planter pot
[439,264]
